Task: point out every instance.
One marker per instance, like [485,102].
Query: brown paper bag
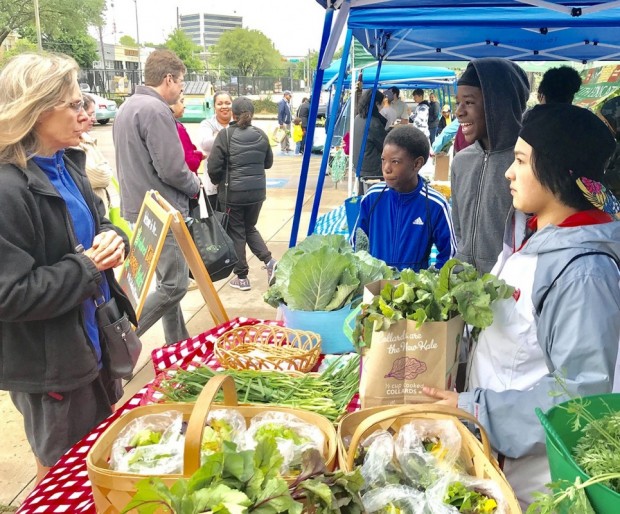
[442,166]
[403,359]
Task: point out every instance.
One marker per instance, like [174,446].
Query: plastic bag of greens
[465,494]
[150,445]
[222,425]
[293,436]
[378,468]
[426,449]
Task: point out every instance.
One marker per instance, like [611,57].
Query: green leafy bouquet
[433,296]
[323,273]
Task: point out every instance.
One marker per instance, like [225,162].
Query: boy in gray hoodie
[491,98]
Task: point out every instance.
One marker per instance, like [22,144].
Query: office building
[205,29]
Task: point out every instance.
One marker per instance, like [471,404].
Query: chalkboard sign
[146,246]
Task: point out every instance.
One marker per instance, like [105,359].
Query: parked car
[105,109]
[85,87]
[196,110]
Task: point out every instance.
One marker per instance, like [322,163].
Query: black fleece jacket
[244,154]
[43,342]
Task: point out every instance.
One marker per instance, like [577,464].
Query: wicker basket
[268,347]
[475,454]
[113,490]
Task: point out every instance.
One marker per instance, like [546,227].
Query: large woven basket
[113,490]
[477,455]
[268,347]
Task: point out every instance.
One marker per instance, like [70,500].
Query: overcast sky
[295,26]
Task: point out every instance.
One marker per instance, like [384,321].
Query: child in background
[298,135]
[403,217]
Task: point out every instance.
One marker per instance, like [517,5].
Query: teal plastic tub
[328,324]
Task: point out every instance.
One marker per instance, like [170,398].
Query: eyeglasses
[176,80]
[76,106]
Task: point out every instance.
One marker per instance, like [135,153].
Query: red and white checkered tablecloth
[66,487]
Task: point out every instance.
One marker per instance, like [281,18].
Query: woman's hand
[449,398]
[108,250]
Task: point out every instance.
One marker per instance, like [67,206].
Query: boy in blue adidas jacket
[403,217]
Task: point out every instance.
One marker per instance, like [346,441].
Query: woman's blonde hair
[30,84]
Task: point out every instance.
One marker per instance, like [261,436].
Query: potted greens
[316,282]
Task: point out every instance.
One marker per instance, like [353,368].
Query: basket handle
[422,410]
[196,424]
[552,434]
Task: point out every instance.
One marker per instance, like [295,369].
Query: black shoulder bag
[214,245]
[120,345]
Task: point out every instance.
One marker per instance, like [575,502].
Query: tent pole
[314,107]
[330,131]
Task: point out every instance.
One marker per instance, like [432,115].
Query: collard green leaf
[315,279]
[349,284]
[210,470]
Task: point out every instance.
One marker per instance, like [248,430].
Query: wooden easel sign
[146,245]
[156,217]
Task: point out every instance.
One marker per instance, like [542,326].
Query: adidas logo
[418,221]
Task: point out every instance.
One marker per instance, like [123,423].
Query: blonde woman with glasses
[58,252]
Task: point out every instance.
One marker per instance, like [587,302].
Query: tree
[57,16]
[188,51]
[127,40]
[81,46]
[249,52]
[21,46]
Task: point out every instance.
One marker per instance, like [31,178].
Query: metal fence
[113,82]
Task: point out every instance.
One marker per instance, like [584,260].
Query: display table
[66,487]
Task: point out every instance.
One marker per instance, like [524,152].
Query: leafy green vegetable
[145,437]
[468,500]
[328,394]
[214,434]
[323,273]
[232,482]
[598,450]
[432,296]
[278,431]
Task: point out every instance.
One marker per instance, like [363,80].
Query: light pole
[37,22]
[138,41]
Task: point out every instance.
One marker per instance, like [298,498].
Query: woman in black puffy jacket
[241,153]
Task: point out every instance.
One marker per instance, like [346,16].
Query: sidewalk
[17,468]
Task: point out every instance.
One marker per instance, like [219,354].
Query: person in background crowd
[298,135]
[490,122]
[433,117]
[559,85]
[209,129]
[400,107]
[560,329]
[420,116]
[98,169]
[388,111]
[149,155]
[446,118]
[193,156]
[371,161]
[303,112]
[58,253]
[243,151]
[403,217]
[284,121]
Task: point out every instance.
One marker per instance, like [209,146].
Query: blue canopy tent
[403,76]
[437,30]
